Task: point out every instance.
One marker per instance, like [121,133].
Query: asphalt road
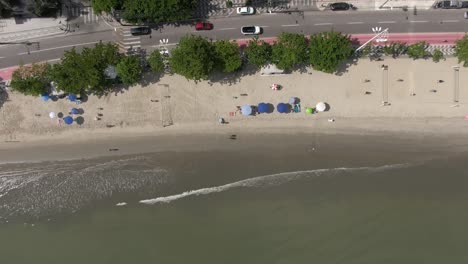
[351,22]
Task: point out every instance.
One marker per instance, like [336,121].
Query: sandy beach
[176,113]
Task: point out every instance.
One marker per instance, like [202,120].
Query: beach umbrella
[52,114]
[292,100]
[68,120]
[45,97]
[282,107]
[246,110]
[320,107]
[262,108]
[72,97]
[309,110]
[74,111]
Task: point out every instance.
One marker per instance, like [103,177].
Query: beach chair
[297,108]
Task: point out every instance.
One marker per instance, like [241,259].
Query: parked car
[251,30]
[453,4]
[340,6]
[140,31]
[466,15]
[464,4]
[203,26]
[245,10]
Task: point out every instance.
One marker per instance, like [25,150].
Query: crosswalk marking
[87,13]
[127,41]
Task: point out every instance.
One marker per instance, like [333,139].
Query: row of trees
[196,57]
[153,11]
[84,71]
[37,7]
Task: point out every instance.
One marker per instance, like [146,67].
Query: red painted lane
[409,38]
[7,73]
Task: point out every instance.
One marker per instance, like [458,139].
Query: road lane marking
[419,21]
[137,38]
[354,23]
[323,24]
[387,22]
[226,28]
[61,47]
[450,21]
[291,25]
[131,42]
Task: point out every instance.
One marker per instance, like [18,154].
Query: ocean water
[291,206]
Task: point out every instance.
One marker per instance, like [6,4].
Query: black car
[453,4]
[140,31]
[340,6]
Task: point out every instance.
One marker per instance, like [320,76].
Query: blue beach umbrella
[68,120]
[45,97]
[262,108]
[282,108]
[72,97]
[246,110]
[74,111]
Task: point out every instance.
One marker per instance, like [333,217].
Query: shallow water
[367,206]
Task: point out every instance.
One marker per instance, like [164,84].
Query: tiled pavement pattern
[30,34]
[448,50]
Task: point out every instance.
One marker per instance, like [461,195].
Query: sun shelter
[74,111]
[262,107]
[72,97]
[282,108]
[293,100]
[321,107]
[246,110]
[45,97]
[309,110]
[52,114]
[68,120]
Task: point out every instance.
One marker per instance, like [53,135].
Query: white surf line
[221,29]
[61,47]
[354,23]
[292,25]
[418,21]
[323,24]
[387,22]
[450,21]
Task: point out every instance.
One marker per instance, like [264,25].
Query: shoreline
[443,134]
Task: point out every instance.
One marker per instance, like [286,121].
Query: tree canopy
[129,70]
[328,49]
[106,5]
[258,52]
[418,50]
[156,61]
[461,50]
[31,80]
[227,56]
[193,58]
[138,11]
[289,51]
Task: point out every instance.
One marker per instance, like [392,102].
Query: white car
[466,15]
[245,10]
[251,30]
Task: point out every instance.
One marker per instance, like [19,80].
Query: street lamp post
[456,87]
[385,85]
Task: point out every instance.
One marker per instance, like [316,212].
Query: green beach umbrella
[309,110]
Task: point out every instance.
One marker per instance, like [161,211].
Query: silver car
[245,10]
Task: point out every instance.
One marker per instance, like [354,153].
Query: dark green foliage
[258,52]
[227,56]
[194,58]
[31,80]
[461,50]
[418,50]
[44,7]
[129,70]
[395,49]
[156,61]
[228,3]
[437,55]
[289,51]
[327,50]
[106,5]
[155,11]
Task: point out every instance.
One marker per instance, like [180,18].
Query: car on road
[251,30]
[245,10]
[466,15]
[452,4]
[340,6]
[140,31]
[203,26]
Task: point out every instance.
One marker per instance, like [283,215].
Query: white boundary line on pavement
[67,46]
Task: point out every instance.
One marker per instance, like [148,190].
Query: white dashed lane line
[450,21]
[419,21]
[292,25]
[387,22]
[226,29]
[323,24]
[354,23]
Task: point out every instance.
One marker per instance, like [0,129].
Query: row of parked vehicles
[451,4]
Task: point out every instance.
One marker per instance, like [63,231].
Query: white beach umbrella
[320,107]
[52,114]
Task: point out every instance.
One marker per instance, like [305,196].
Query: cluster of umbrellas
[67,119]
[71,97]
[281,107]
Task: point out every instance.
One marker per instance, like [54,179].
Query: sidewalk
[12,30]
